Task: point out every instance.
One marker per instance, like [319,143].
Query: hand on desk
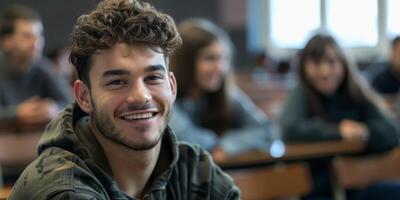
[218,154]
[353,130]
[36,110]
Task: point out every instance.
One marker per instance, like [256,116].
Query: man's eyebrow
[158,67]
[113,72]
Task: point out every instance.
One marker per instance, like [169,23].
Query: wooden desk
[18,143]
[5,192]
[18,147]
[291,180]
[295,152]
[17,128]
[360,172]
[261,176]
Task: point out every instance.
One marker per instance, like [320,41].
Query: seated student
[210,110]
[331,103]
[387,80]
[115,142]
[29,92]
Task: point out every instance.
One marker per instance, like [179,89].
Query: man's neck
[131,169]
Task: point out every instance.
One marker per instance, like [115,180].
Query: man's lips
[138,115]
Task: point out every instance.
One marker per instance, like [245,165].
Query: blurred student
[29,92]
[387,81]
[331,103]
[210,110]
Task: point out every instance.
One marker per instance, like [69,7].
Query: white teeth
[138,116]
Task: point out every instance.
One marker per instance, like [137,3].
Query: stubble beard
[109,131]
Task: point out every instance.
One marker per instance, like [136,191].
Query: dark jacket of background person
[38,81]
[72,165]
[299,124]
[386,81]
[220,117]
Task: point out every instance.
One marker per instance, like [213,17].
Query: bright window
[292,22]
[352,24]
[393,17]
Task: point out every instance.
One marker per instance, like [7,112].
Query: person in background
[264,62]
[387,80]
[115,142]
[210,110]
[61,65]
[29,92]
[332,103]
[265,68]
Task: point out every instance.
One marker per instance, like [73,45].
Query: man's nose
[139,94]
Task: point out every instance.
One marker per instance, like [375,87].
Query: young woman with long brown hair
[332,102]
[210,110]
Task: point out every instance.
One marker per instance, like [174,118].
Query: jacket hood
[60,131]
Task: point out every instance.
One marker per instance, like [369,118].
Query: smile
[139,116]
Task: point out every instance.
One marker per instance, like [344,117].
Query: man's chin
[139,147]
[137,142]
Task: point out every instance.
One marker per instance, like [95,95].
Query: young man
[29,92]
[387,81]
[115,143]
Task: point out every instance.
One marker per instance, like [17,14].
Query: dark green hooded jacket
[72,165]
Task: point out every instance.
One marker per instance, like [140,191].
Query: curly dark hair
[121,21]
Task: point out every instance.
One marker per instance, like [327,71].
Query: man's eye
[116,82]
[154,78]
[211,58]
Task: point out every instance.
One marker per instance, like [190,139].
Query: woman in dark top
[210,110]
[331,102]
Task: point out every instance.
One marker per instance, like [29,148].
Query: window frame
[362,54]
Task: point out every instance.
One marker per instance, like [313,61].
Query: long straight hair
[358,89]
[197,34]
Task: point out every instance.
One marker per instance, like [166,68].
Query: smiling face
[212,65]
[327,74]
[130,96]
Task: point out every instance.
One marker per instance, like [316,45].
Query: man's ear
[172,83]
[82,96]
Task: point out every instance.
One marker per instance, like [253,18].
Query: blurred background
[277,27]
